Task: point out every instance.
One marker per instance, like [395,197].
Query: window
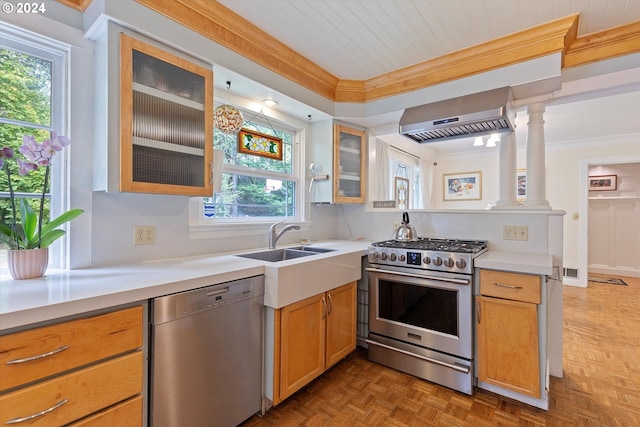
[405,179]
[254,187]
[31,102]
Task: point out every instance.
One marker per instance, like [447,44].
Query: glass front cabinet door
[166,122]
[348,165]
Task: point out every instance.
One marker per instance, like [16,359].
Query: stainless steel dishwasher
[206,355]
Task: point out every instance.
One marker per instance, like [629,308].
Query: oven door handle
[463,369]
[417,276]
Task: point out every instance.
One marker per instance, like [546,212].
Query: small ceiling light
[270,102]
[478,142]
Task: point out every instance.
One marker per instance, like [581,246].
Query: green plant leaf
[14,238]
[65,217]
[49,233]
[49,238]
[29,220]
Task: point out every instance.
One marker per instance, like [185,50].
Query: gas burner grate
[431,244]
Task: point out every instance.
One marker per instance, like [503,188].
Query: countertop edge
[516,261]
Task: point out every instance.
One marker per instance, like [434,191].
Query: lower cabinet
[311,336]
[88,371]
[508,338]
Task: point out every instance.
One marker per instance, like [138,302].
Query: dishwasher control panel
[175,306]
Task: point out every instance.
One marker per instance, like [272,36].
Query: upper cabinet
[338,151]
[154,133]
[166,122]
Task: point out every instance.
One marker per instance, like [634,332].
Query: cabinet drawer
[125,414]
[86,391]
[38,353]
[513,286]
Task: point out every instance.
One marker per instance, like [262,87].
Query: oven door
[428,309]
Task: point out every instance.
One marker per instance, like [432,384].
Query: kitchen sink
[275,255]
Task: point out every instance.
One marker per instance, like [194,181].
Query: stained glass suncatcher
[259,144]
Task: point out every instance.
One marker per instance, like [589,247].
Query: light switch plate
[515,232]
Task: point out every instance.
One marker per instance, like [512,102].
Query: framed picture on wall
[462,186]
[521,185]
[603,182]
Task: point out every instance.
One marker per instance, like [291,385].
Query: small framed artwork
[521,185]
[402,192]
[259,144]
[462,186]
[603,182]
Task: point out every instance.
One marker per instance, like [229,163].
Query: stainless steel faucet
[273,236]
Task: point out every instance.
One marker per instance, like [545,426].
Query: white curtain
[426,182]
[382,170]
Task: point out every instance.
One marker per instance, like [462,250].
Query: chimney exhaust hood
[470,115]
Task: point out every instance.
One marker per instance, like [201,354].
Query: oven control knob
[373,256]
[427,260]
[402,258]
[461,263]
[392,257]
[437,261]
[383,256]
[449,262]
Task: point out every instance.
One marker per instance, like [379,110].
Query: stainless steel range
[420,308]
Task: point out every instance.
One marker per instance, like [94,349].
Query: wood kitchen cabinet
[508,338]
[343,160]
[153,131]
[87,371]
[166,121]
[311,336]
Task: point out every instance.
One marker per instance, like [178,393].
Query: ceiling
[361,39]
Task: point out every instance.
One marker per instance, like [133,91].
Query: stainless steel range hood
[470,115]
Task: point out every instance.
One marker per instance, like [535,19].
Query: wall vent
[570,272]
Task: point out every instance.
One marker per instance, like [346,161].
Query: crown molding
[79,5]
[607,44]
[225,27]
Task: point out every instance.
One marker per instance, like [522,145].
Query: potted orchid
[28,234]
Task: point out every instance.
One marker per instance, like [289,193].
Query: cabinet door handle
[330,304]
[502,285]
[37,414]
[39,356]
[478,311]
[324,307]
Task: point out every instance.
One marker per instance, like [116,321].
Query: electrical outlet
[144,235]
[515,232]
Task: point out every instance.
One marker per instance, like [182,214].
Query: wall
[104,234]
[614,222]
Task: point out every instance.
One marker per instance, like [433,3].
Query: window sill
[233,229]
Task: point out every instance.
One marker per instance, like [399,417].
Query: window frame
[27,42]
[203,227]
[397,155]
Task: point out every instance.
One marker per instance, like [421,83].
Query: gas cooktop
[448,255]
[432,244]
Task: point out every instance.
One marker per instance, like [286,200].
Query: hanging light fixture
[227,118]
[491,142]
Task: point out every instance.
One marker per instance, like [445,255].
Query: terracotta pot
[28,263]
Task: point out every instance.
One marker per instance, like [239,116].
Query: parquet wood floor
[601,384]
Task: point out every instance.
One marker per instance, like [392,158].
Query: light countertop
[64,293]
[516,261]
